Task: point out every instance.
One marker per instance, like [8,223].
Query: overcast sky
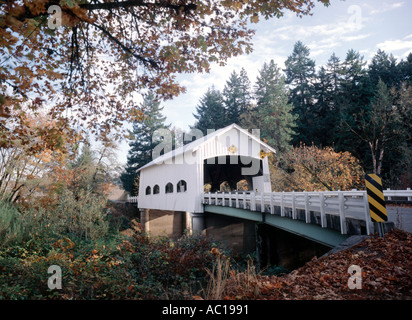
[364,26]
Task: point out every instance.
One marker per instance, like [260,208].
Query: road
[401,216]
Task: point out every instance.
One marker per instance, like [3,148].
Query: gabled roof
[195,145]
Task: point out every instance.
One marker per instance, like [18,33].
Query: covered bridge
[176,180]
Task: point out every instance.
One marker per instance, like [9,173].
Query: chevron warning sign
[376,199]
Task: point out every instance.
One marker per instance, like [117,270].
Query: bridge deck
[344,211]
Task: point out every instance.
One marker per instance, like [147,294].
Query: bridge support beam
[145,219]
[198,222]
[188,223]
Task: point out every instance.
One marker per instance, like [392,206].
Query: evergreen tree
[384,67]
[328,91]
[237,96]
[210,112]
[405,69]
[357,92]
[274,113]
[141,147]
[300,75]
[378,125]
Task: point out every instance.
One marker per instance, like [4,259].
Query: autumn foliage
[309,168]
[385,264]
[91,63]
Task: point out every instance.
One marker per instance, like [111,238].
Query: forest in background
[330,124]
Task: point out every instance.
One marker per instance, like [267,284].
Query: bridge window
[148,190]
[182,186]
[156,189]
[169,188]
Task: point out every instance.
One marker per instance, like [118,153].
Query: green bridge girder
[310,231]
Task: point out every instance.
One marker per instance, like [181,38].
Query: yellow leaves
[314,169]
[254,18]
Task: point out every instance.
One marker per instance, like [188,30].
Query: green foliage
[273,112]
[300,75]
[81,215]
[143,141]
[210,113]
[237,96]
[11,226]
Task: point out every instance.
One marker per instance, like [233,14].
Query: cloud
[397,45]
[387,7]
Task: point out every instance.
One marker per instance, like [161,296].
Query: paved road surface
[401,216]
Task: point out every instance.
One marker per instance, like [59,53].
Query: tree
[142,145]
[378,125]
[237,96]
[90,57]
[384,67]
[276,120]
[300,76]
[211,113]
[356,94]
[317,169]
[328,90]
[26,158]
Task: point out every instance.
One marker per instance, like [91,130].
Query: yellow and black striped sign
[376,199]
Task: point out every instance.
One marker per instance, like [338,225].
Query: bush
[11,226]
[81,215]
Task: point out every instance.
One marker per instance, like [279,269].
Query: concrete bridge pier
[198,223]
[145,219]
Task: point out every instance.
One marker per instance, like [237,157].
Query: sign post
[376,200]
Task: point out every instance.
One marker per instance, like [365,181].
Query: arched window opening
[182,186]
[156,189]
[148,190]
[169,188]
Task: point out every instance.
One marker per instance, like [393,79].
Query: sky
[364,26]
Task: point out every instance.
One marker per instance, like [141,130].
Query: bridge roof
[195,145]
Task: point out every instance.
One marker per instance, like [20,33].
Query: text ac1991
[211,309]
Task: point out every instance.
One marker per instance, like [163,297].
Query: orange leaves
[324,169]
[385,272]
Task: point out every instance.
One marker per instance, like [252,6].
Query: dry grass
[224,281]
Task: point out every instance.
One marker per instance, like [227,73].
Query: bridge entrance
[234,173]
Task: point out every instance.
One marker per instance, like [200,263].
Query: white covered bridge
[182,190]
[176,180]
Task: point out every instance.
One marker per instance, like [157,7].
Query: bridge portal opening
[233,173]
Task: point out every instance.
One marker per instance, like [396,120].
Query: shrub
[11,226]
[81,215]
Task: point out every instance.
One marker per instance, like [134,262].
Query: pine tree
[273,114]
[210,112]
[384,67]
[328,91]
[237,96]
[141,147]
[357,92]
[378,125]
[300,76]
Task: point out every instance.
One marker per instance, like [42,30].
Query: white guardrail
[133,199]
[345,204]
